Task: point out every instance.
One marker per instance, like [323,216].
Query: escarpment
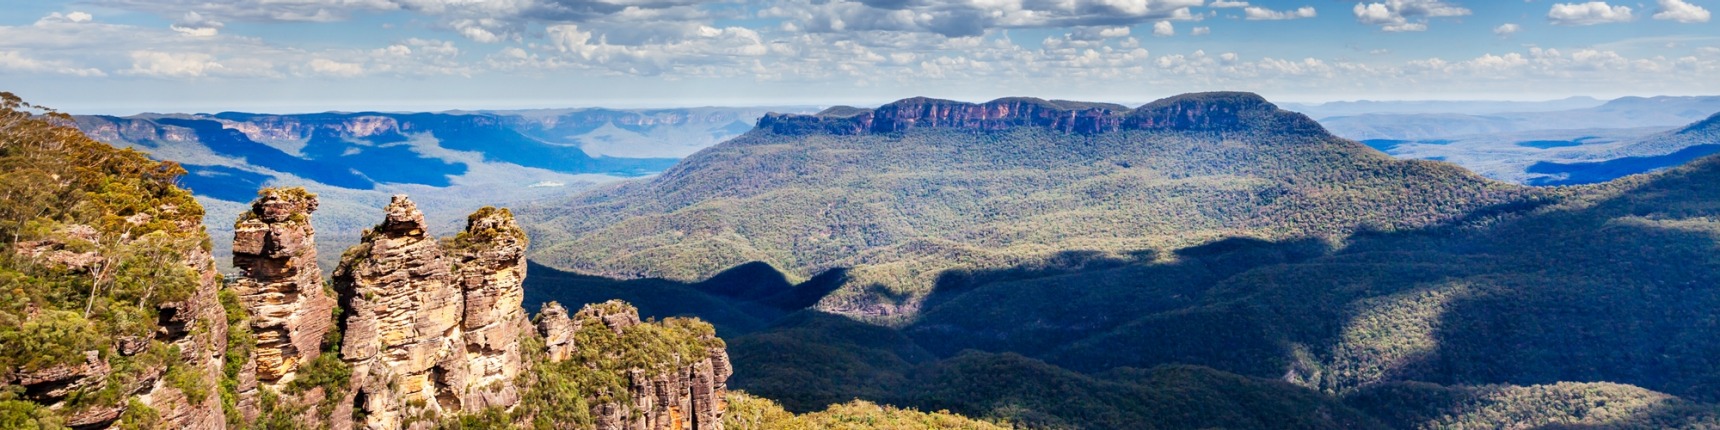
[680,390]
[1218,111]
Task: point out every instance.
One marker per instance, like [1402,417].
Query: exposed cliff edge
[1217,111]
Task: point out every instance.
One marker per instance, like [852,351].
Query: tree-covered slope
[905,194]
[108,307]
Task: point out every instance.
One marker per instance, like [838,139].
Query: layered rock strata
[490,269]
[274,246]
[430,330]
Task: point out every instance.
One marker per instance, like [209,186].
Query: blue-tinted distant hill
[1627,112]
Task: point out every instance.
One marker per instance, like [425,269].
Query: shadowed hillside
[908,192]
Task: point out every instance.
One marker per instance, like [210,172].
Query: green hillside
[903,209]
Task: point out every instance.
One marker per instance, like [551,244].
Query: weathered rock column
[282,288]
[490,268]
[403,333]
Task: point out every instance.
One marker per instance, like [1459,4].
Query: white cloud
[1098,33]
[172,64]
[1164,29]
[1226,3]
[1591,13]
[1254,13]
[74,17]
[1405,15]
[196,25]
[1201,31]
[16,62]
[1681,11]
[1506,29]
[335,68]
[962,19]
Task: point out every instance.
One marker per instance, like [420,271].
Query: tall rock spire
[429,328]
[490,268]
[282,287]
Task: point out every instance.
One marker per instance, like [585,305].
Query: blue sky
[128,56]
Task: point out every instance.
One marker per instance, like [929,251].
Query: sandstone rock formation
[282,288]
[687,396]
[490,268]
[416,343]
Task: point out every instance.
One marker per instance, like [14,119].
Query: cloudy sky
[128,56]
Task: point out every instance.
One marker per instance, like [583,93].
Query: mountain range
[1203,260]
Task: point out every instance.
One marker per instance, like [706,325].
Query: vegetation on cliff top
[96,243]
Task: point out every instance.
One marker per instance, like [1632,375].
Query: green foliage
[240,342]
[126,229]
[23,415]
[1411,405]
[52,338]
[752,413]
[328,372]
[188,380]
[138,416]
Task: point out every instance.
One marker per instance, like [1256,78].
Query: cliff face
[429,329]
[274,246]
[684,392]
[1200,112]
[490,269]
[109,304]
[403,335]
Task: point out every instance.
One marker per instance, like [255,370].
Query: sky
[282,56]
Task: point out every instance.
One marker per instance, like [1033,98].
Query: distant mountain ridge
[1206,111]
[1627,112]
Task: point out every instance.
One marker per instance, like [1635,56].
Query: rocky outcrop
[686,394]
[416,344]
[490,269]
[1224,111]
[274,246]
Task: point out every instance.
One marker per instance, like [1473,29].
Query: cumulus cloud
[1164,29]
[1506,29]
[1225,3]
[1681,11]
[1255,13]
[172,64]
[1405,15]
[1591,13]
[195,24]
[1201,31]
